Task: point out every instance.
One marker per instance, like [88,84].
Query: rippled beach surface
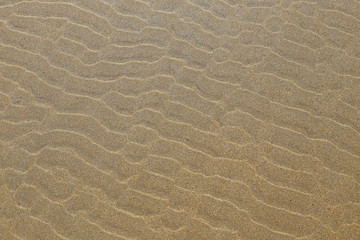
[179,119]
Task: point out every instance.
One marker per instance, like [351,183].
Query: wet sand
[179,119]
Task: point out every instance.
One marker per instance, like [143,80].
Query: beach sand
[179,119]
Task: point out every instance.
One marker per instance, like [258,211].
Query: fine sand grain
[179,119]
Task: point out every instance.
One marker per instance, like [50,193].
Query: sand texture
[179,119]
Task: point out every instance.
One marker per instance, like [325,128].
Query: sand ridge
[179,119]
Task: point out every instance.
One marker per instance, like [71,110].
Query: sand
[179,119]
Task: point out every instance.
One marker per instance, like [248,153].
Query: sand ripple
[179,119]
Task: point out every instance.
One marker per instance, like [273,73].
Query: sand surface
[179,119]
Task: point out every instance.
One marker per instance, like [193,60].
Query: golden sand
[179,119]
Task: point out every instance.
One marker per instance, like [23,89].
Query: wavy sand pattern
[179,119]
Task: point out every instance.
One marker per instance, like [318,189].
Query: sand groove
[179,119]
